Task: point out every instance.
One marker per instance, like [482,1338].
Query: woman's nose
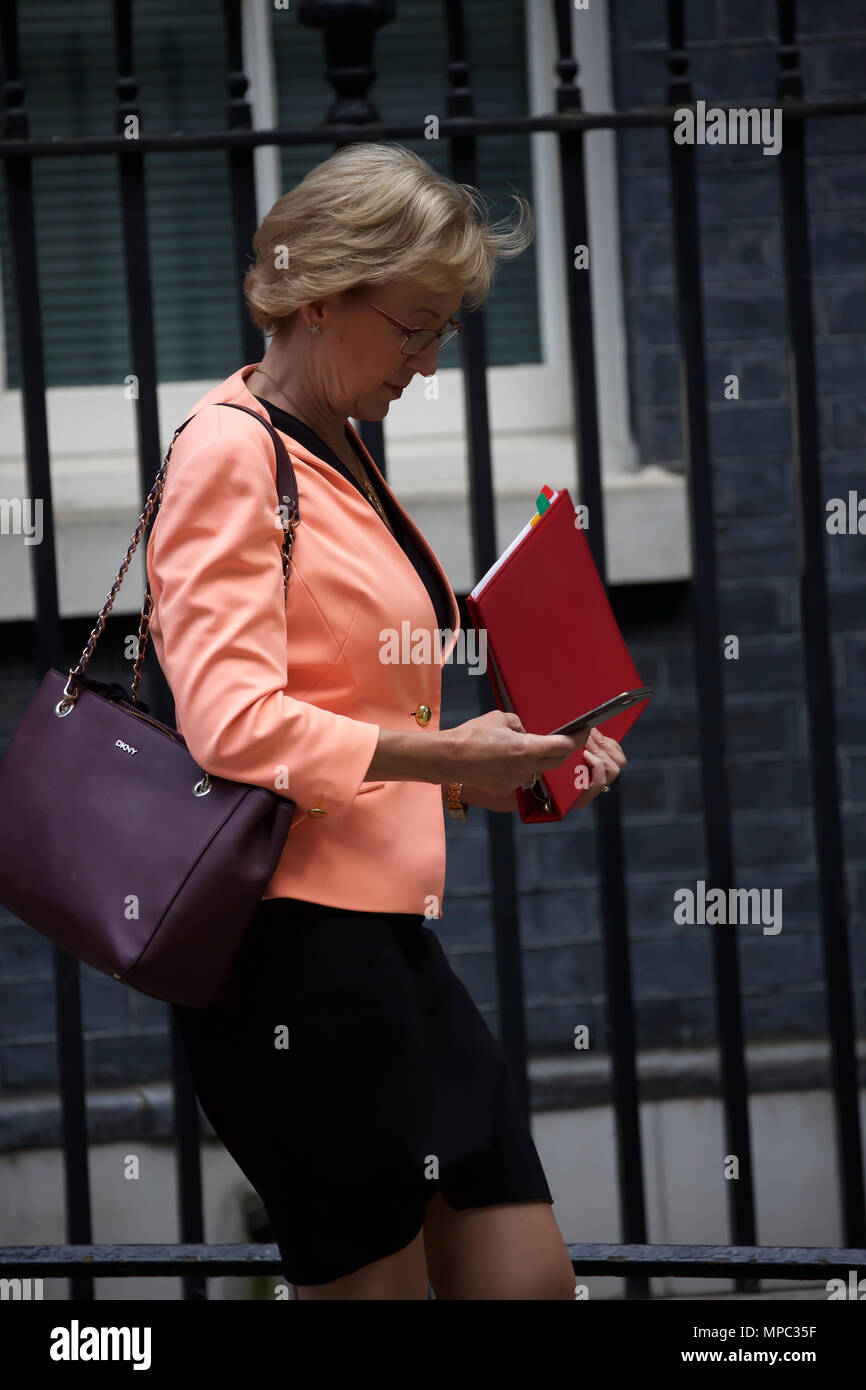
[425,362]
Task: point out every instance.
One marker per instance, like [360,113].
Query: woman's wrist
[414,757]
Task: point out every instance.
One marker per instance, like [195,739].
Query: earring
[314,328]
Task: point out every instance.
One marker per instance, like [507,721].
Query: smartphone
[601,712]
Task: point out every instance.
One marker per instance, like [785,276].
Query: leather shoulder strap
[287,483]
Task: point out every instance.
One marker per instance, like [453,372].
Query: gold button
[423,714]
[316,811]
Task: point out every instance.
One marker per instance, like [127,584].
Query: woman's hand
[604,756]
[493,755]
[606,760]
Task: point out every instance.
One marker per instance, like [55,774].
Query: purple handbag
[114,843]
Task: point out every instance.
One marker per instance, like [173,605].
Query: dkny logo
[119,743]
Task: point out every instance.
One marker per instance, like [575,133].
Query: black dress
[347,1069]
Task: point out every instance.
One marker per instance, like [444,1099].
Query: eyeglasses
[419,339]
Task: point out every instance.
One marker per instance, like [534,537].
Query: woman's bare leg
[514,1251]
[399,1276]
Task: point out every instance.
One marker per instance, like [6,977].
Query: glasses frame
[446,335]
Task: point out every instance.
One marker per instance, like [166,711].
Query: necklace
[365,482]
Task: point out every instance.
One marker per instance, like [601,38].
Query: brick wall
[733,63]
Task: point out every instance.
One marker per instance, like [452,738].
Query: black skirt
[350,1075]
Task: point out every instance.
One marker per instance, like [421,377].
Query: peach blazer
[291,694]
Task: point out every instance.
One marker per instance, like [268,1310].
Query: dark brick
[855,659]
[643,147]
[835,135]
[841,309]
[664,848]
[26,1009]
[643,790]
[766,664]
[477,971]
[850,724]
[737,429]
[762,375]
[567,856]
[637,24]
[556,917]
[845,606]
[658,1023]
[762,727]
[849,424]
[650,907]
[104,1002]
[664,731]
[754,609]
[562,972]
[687,794]
[854,835]
[786,1015]
[551,1026]
[844,65]
[760,488]
[766,962]
[835,187]
[467,920]
[675,966]
[655,378]
[23,951]
[771,786]
[723,75]
[857,777]
[743,19]
[124,1058]
[745,315]
[747,548]
[652,316]
[467,859]
[29,1066]
[817,17]
[649,256]
[698,1020]
[841,366]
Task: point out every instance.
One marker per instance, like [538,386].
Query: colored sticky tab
[535,519]
[542,502]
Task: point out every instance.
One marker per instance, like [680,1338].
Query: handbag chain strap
[289,515]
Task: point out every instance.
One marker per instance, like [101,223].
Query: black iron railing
[349,33]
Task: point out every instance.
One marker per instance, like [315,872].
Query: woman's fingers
[608,747]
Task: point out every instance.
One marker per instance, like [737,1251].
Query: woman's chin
[372,410]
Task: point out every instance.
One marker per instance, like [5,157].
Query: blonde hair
[374,212]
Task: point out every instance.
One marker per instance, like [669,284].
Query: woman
[346,1068]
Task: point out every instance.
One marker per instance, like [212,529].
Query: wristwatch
[454,805]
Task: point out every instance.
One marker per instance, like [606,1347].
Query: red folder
[554,649]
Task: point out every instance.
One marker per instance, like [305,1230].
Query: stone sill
[97,504]
[568,1082]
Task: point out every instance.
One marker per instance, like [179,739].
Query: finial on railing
[349,28]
